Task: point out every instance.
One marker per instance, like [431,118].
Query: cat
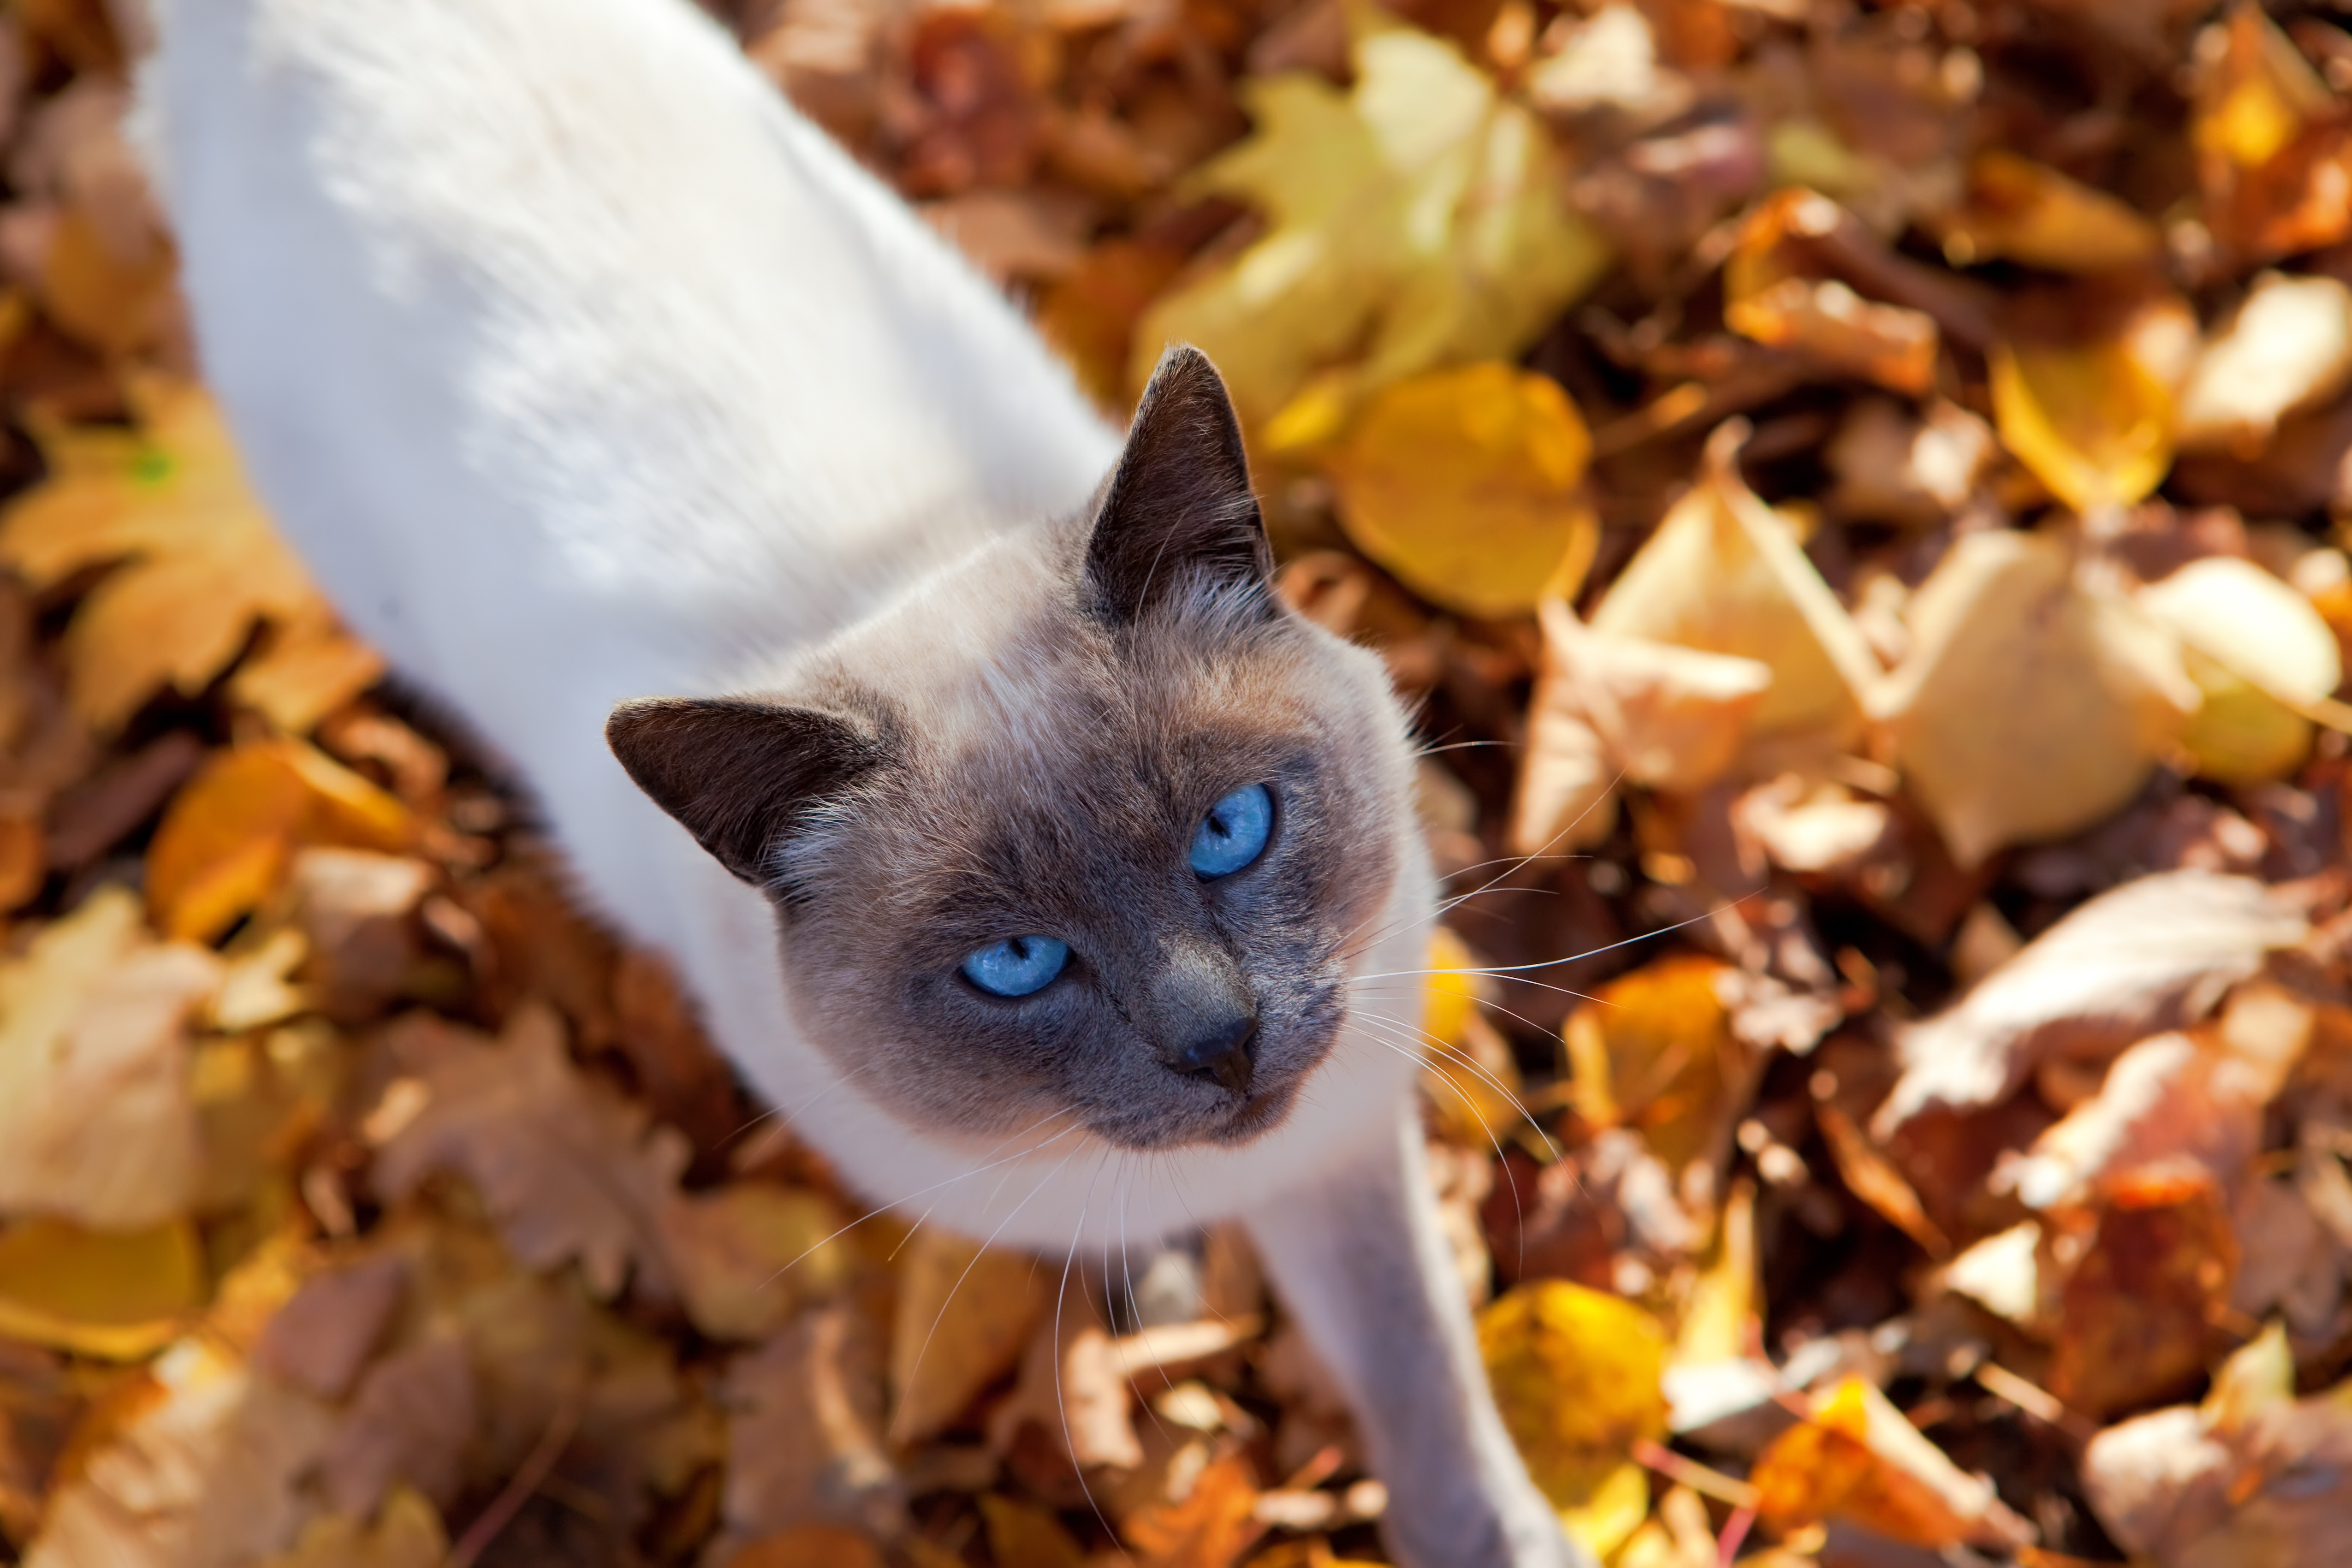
[1018,844]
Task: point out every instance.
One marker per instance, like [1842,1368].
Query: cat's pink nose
[1224,1056]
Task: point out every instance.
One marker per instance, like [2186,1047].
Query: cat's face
[1109,869]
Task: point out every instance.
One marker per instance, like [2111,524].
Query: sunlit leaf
[1774,292]
[2091,422]
[1577,1377]
[2014,209]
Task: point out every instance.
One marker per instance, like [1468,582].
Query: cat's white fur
[579,368]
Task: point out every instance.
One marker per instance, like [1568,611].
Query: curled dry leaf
[1464,484]
[2153,953]
[569,1169]
[2134,1320]
[1893,466]
[2288,347]
[1210,1528]
[2028,708]
[2260,657]
[2013,209]
[1655,1050]
[964,1312]
[1857,1459]
[2090,421]
[2269,141]
[1777,291]
[111,1294]
[201,562]
[1725,574]
[1417,215]
[97,1120]
[804,1417]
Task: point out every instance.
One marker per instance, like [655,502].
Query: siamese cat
[1058,882]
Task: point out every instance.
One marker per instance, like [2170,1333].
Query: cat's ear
[1178,505]
[737,774]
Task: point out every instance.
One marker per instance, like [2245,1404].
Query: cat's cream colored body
[579,369]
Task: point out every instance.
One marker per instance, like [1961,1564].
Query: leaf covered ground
[1857,493]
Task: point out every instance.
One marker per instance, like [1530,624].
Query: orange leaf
[1211,1528]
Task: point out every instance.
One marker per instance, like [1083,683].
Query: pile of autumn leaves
[361,1204]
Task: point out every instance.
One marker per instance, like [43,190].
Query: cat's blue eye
[1017,965]
[1234,832]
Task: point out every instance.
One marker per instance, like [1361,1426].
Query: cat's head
[1088,829]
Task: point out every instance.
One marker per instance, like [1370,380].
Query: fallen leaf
[320,1338]
[2260,654]
[1211,1528]
[201,562]
[2269,138]
[409,1421]
[2151,954]
[2287,347]
[815,1546]
[2090,420]
[1855,1458]
[964,1315]
[1725,574]
[1023,1535]
[113,1295]
[406,1533]
[1655,1050]
[1894,467]
[97,1121]
[1464,485]
[1776,292]
[309,668]
[1414,221]
[2014,209]
[2135,1315]
[1074,1388]
[750,1254]
[1722,1316]
[569,1170]
[804,1416]
[1577,1378]
[2028,708]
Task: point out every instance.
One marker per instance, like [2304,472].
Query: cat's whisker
[1447,1054]
[1467,746]
[1502,970]
[1519,1214]
[1061,1405]
[1509,1013]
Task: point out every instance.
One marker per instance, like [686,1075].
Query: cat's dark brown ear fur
[737,772]
[1180,502]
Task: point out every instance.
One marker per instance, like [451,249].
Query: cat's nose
[1224,1055]
[1201,1017]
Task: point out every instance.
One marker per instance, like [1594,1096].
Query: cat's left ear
[1179,506]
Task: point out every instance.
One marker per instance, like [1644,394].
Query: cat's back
[551,334]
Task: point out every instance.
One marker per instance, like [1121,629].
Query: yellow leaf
[2015,209]
[751,1252]
[1577,1378]
[1857,1459]
[1413,221]
[964,1316]
[1774,291]
[2259,654]
[97,1121]
[200,564]
[2091,422]
[2028,709]
[1464,484]
[1725,574]
[406,1534]
[1609,1517]
[2255,95]
[1452,996]
[1655,1049]
[118,1296]
[1721,1318]
[229,835]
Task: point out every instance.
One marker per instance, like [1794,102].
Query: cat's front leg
[1358,1259]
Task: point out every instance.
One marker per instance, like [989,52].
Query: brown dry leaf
[816,1546]
[1892,466]
[1074,1389]
[118,1295]
[1578,1378]
[2249,1477]
[408,1424]
[1611,709]
[406,1533]
[1023,1535]
[1466,486]
[1655,1050]
[2135,1316]
[1856,1458]
[964,1315]
[1416,220]
[2173,1100]
[322,1337]
[1725,574]
[1211,1528]
[202,564]
[1777,291]
[1871,1176]
[196,1469]
[749,1254]
[2260,656]
[309,668]
[567,1169]
[230,834]
[1812,825]
[2028,708]
[97,1120]
[2270,140]
[2014,209]
[803,1424]
[2092,421]
[2288,347]
[2151,954]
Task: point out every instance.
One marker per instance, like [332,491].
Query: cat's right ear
[1179,506]
[735,773]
